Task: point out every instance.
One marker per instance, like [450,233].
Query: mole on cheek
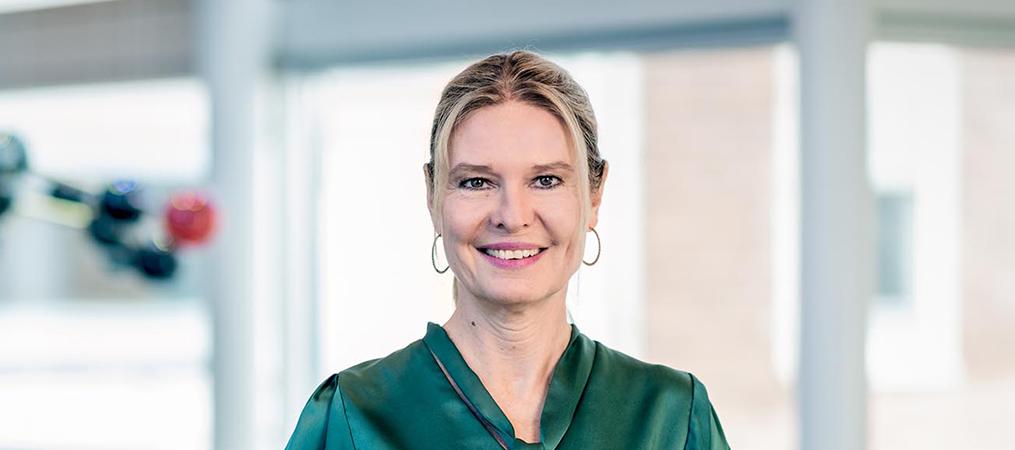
[473,323]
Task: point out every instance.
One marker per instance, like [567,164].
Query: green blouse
[425,396]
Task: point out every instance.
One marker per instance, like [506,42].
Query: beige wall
[988,225]
[708,190]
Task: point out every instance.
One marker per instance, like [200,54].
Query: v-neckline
[567,383]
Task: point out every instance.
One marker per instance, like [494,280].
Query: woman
[514,183]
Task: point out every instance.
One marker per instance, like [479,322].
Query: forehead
[510,134]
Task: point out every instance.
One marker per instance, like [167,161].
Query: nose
[514,210]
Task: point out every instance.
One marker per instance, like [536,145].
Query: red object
[190,218]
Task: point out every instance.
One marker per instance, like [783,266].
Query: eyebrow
[465,167]
[559,165]
[481,168]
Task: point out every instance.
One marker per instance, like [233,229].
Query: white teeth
[511,254]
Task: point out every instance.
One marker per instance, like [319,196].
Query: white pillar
[836,227]
[234,54]
[298,259]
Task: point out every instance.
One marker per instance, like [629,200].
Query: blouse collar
[567,384]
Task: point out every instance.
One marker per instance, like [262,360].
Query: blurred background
[811,207]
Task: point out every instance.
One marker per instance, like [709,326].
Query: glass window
[944,362]
[92,355]
[895,247]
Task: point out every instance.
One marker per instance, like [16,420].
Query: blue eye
[547,181]
[473,183]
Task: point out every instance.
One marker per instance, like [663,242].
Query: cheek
[561,215]
[462,218]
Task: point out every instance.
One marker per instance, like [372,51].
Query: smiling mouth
[512,254]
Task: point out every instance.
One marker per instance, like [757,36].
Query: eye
[547,181]
[473,183]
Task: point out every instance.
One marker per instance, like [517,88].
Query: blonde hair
[526,77]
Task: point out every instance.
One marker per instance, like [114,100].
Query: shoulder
[662,388]
[657,378]
[324,422]
[382,366]
[370,379]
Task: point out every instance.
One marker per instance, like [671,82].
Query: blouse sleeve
[704,430]
[323,423]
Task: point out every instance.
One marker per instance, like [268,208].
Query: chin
[511,297]
[515,293]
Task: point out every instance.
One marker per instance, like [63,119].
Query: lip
[510,246]
[511,263]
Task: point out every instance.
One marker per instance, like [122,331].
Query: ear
[597,197]
[428,179]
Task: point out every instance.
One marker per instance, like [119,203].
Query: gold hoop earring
[433,255]
[599,248]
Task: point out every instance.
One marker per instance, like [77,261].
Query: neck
[512,348]
[527,336]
